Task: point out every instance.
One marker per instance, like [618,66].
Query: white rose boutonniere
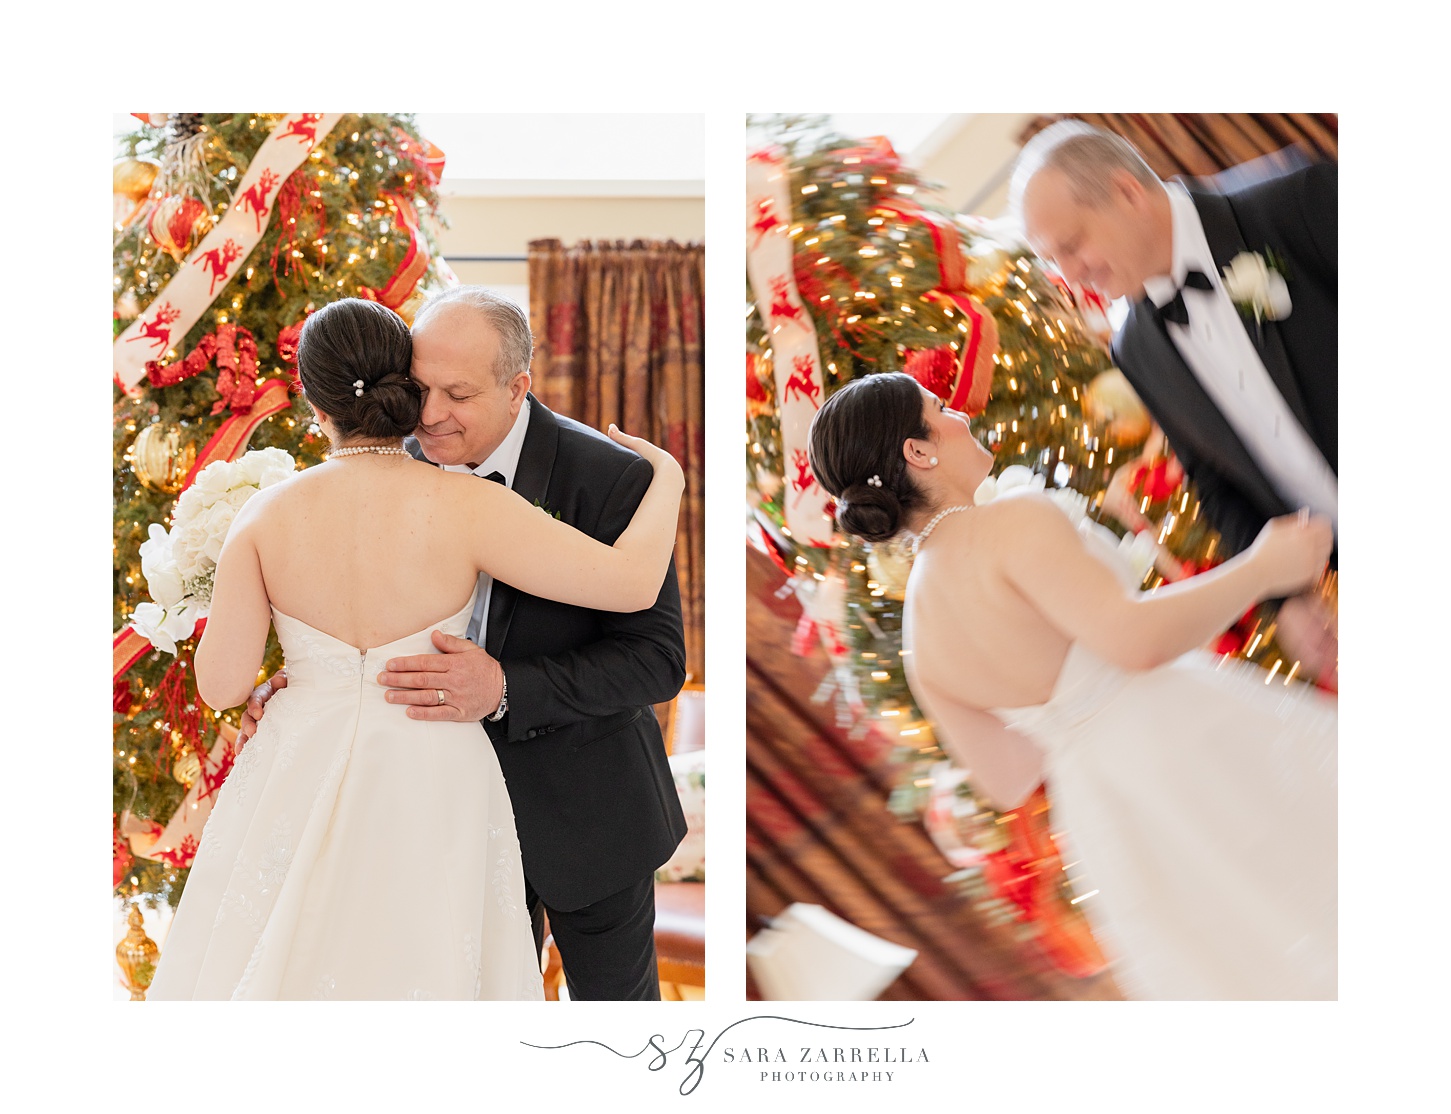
[1257,286]
[179,566]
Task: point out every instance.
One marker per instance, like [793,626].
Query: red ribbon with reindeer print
[216,260]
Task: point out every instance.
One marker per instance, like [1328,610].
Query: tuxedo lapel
[531,481]
[1175,390]
[1222,232]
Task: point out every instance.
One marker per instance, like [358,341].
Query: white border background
[1372,1048]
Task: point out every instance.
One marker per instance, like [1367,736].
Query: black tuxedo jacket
[594,800]
[1293,215]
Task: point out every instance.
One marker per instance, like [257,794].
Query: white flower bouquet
[179,566]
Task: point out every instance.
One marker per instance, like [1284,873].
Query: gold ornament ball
[888,564]
[132,178]
[1110,401]
[176,223]
[412,304]
[137,954]
[161,457]
[187,767]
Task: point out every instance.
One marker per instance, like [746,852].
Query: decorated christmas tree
[230,230]
[854,270]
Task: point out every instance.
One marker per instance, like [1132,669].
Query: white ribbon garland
[800,390]
[217,259]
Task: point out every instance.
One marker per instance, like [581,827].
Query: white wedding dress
[1197,804]
[354,853]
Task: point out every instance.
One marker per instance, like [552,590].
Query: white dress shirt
[505,460]
[1222,357]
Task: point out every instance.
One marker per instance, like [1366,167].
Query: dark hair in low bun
[856,436]
[351,340]
[868,512]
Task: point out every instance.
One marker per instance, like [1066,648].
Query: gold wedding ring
[440,695]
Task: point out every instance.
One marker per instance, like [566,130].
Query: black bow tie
[497,477]
[1174,309]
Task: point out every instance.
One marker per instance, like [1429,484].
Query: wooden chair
[680,906]
[679,937]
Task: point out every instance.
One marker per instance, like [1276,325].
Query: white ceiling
[661,152]
[910,132]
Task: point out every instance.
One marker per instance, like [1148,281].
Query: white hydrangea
[179,566]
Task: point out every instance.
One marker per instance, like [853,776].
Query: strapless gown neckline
[446,624]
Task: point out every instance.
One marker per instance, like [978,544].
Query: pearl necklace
[381,450]
[932,525]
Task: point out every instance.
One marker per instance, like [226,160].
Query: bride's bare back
[971,632]
[368,550]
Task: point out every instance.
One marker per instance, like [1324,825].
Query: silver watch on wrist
[503,698]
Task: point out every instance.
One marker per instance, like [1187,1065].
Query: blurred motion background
[852,806]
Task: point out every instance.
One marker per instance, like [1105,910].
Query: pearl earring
[933,461]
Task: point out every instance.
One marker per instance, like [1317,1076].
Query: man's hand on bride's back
[257,704]
[661,460]
[469,679]
[1291,552]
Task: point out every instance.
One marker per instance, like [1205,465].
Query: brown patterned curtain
[618,330]
[1202,144]
[818,830]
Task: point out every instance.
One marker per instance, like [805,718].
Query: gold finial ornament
[137,954]
[160,459]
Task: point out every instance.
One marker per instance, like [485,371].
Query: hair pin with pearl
[358,387]
[875,481]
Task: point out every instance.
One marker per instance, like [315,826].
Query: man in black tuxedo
[1249,403]
[565,693]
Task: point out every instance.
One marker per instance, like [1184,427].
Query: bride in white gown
[354,852]
[1197,798]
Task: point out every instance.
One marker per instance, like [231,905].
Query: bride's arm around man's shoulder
[519,544]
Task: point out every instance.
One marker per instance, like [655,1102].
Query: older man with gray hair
[1241,377]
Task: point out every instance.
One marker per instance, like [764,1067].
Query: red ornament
[755,390]
[1158,480]
[934,368]
[177,223]
[122,698]
[287,352]
[120,855]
